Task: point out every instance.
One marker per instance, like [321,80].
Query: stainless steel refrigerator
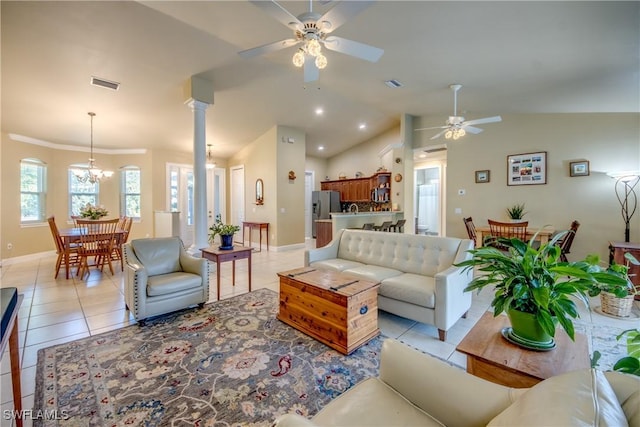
[322,203]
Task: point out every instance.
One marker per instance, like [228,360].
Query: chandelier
[210,162]
[311,47]
[92,173]
[455,133]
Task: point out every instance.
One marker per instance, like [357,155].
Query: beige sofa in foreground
[416,273]
[416,389]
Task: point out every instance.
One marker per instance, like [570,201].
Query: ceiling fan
[456,126]
[313,31]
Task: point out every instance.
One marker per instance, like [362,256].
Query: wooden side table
[219,256]
[10,301]
[260,226]
[493,358]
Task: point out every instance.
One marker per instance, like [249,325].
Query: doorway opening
[429,191]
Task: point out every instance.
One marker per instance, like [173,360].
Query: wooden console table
[219,256]
[493,358]
[260,226]
[10,305]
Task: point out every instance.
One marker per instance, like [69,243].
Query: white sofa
[416,389]
[416,273]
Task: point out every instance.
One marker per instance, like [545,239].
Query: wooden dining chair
[60,249]
[471,228]
[507,230]
[122,236]
[96,240]
[565,242]
[75,219]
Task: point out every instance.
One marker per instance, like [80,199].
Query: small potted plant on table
[225,231]
[516,212]
[533,286]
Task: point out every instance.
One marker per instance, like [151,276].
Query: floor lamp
[626,182]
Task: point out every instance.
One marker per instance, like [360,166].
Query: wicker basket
[615,306]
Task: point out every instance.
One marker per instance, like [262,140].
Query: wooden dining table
[72,235]
[543,234]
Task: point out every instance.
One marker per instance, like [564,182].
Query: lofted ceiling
[511,57]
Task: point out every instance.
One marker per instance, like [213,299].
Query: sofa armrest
[136,277]
[329,251]
[194,265]
[451,299]
[292,420]
[449,394]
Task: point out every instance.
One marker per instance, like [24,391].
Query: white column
[200,238]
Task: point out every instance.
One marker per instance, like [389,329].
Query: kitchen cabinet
[362,189]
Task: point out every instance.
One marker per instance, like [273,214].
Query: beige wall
[319,167]
[271,160]
[609,141]
[364,157]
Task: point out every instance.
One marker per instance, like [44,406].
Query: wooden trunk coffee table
[492,357]
[336,309]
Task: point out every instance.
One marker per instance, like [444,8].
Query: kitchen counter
[342,220]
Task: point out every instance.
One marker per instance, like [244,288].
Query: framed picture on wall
[482,176]
[580,168]
[527,168]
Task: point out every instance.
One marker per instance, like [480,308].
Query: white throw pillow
[579,398]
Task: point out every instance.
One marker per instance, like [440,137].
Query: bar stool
[384,227]
[398,226]
[367,226]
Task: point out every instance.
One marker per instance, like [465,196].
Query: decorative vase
[227,241]
[526,332]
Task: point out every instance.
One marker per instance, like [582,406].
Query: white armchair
[161,277]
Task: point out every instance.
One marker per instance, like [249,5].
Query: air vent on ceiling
[96,81]
[435,149]
[393,83]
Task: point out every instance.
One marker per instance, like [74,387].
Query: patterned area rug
[229,363]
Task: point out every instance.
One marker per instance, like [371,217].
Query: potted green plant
[93,212]
[534,287]
[629,364]
[516,212]
[617,299]
[225,231]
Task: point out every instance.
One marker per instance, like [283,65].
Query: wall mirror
[259,192]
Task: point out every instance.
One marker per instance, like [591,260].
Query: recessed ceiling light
[321,147]
[319,111]
[362,126]
[422,156]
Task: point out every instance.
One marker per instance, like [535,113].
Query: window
[81,193]
[33,178]
[130,192]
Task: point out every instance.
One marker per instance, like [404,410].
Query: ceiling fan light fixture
[313,47]
[298,58]
[321,61]
[448,134]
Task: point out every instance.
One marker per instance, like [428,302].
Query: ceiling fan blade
[311,72]
[341,13]
[268,48]
[350,47]
[439,134]
[481,121]
[285,17]
[471,129]
[433,127]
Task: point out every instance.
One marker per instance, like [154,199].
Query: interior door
[215,194]
[428,199]
[237,197]
[308,189]
[180,183]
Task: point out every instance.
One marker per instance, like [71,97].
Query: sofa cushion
[158,255]
[373,273]
[336,264]
[412,288]
[631,408]
[356,406]
[171,283]
[578,398]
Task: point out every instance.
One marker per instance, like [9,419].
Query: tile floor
[55,311]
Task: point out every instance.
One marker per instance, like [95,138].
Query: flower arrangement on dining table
[93,212]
